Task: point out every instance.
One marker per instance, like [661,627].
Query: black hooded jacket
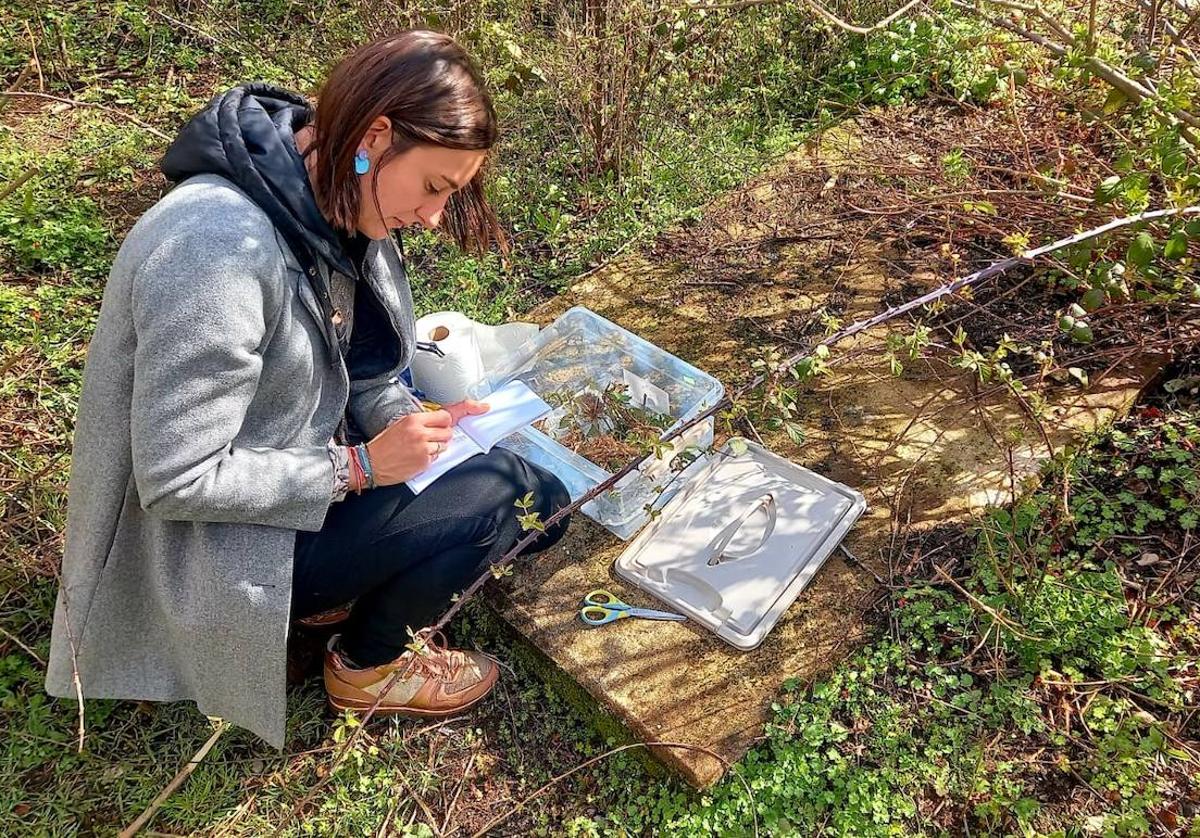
[247,135]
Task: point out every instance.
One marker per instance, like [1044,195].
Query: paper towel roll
[473,350]
[447,378]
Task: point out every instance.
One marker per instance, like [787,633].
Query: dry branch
[76,103]
[983,606]
[176,782]
[1135,90]
[499,819]
[22,645]
[817,9]
[13,186]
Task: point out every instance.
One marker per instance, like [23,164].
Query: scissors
[601,607]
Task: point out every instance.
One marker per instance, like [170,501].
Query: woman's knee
[551,496]
[549,493]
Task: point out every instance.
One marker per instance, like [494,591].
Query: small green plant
[956,167]
[605,426]
[529,519]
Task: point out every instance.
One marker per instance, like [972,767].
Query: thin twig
[817,9]
[36,61]
[983,606]
[13,186]
[462,781]
[176,782]
[24,74]
[20,643]
[80,104]
[499,819]
[429,817]
[76,682]
[855,560]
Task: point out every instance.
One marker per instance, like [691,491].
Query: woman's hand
[466,408]
[409,445]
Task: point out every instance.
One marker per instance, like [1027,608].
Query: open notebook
[513,407]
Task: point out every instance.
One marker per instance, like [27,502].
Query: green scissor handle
[594,615]
[605,599]
[601,607]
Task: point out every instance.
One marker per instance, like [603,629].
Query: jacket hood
[248,136]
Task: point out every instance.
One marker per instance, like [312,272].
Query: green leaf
[1141,250]
[1192,228]
[1173,161]
[795,432]
[1177,246]
[1136,188]
[1109,189]
[1093,299]
[1114,101]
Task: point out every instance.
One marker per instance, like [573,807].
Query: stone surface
[925,448]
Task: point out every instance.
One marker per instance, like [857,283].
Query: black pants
[402,557]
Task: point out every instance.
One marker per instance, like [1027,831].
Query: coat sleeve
[376,404]
[204,304]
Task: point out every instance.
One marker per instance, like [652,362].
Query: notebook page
[459,449]
[513,407]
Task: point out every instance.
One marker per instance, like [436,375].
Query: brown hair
[432,92]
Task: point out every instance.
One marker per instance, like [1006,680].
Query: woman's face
[412,188]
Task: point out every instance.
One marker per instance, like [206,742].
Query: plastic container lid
[736,546]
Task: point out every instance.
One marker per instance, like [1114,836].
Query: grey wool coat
[211,392]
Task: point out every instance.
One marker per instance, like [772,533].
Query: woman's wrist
[364,464]
[356,477]
[362,475]
[354,480]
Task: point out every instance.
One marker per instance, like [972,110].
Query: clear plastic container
[582,357]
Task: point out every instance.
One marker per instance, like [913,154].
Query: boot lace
[433,659]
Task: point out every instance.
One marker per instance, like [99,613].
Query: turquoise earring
[362,164]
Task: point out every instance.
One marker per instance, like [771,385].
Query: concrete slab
[925,448]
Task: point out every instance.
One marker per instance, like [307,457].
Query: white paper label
[644,394]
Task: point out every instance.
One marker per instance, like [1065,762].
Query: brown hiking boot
[307,640]
[324,619]
[440,682]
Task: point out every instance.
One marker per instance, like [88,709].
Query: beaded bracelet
[364,461]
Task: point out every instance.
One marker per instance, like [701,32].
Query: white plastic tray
[736,546]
